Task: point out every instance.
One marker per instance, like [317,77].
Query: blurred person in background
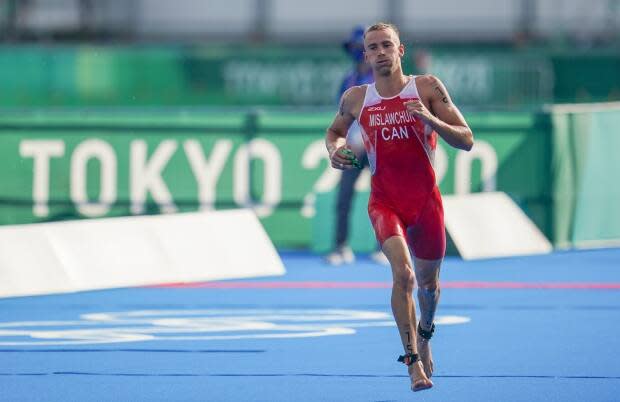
[400,117]
[360,74]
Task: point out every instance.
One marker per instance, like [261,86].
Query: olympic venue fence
[222,75]
[557,163]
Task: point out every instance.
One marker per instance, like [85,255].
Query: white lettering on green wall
[83,153]
[41,151]
[269,154]
[148,173]
[483,151]
[145,176]
[207,171]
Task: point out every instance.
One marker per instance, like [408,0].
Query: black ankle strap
[408,359]
[426,334]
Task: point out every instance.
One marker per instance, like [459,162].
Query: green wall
[64,165]
[559,166]
[288,76]
[586,189]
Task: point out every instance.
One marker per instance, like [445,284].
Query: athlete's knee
[431,285]
[427,274]
[404,279]
[431,292]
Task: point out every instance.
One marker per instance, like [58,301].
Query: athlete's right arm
[337,131]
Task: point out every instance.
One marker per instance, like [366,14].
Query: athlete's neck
[391,85]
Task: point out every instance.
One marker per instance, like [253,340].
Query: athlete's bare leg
[403,306]
[427,275]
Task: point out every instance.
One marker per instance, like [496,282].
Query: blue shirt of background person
[361,73]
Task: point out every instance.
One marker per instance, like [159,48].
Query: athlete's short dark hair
[381,26]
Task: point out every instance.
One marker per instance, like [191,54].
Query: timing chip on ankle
[408,359]
[426,334]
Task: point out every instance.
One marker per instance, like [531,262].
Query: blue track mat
[515,329]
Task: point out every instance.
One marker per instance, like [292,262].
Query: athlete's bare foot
[426,356]
[419,380]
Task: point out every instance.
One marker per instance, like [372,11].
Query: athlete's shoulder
[426,81]
[356,92]
[430,87]
[353,98]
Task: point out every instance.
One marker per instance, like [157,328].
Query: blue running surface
[514,329]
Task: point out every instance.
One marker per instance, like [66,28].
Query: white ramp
[133,251]
[488,225]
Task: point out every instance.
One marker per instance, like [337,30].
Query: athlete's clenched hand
[417,108]
[341,160]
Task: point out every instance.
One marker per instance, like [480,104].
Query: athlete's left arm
[444,117]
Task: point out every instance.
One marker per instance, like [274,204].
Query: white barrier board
[490,224]
[134,251]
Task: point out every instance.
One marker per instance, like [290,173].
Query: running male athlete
[400,117]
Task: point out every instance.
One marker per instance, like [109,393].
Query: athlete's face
[383,51]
